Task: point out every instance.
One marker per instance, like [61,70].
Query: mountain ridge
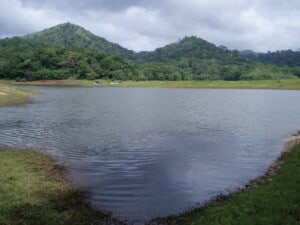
[68,50]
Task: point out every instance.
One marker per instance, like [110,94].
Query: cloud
[145,25]
[16,19]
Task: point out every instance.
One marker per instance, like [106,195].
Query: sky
[259,25]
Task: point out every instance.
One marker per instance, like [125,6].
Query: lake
[148,152]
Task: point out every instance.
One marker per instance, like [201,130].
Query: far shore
[281,84]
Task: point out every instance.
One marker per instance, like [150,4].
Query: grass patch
[257,84]
[271,199]
[13,95]
[292,84]
[34,191]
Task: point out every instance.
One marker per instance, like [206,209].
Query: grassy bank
[34,191]
[293,84]
[271,199]
[13,95]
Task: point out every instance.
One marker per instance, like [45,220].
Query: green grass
[293,84]
[261,84]
[34,191]
[13,95]
[272,199]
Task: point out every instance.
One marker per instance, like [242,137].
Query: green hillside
[21,59]
[197,59]
[69,35]
[69,51]
[190,47]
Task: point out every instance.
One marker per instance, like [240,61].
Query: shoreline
[36,191]
[282,84]
[55,173]
[11,95]
[188,217]
[75,194]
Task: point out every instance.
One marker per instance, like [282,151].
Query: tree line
[21,59]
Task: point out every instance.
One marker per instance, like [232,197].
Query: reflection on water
[154,152]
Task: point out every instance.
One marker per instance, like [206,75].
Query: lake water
[154,152]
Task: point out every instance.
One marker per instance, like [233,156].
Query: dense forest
[284,57]
[69,51]
[22,60]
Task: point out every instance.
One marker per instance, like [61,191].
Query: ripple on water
[154,152]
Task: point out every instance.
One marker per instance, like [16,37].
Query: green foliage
[20,59]
[198,59]
[285,57]
[72,36]
[265,72]
[68,50]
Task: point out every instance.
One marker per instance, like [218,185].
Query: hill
[284,57]
[189,47]
[68,50]
[72,36]
[22,59]
[198,59]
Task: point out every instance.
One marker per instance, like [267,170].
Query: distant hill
[72,36]
[189,47]
[285,57]
[68,50]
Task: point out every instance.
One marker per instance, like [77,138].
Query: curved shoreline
[292,144]
[74,200]
[184,218]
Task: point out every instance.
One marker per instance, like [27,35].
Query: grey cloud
[145,25]
[113,5]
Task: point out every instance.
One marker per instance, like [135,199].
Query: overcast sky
[259,25]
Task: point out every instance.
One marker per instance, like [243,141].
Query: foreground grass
[13,95]
[34,191]
[293,84]
[272,199]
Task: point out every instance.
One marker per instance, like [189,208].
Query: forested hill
[68,50]
[195,58]
[21,59]
[285,57]
[191,47]
[72,36]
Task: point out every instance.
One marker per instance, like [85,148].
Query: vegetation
[272,199]
[284,57]
[292,84]
[69,51]
[34,191]
[13,95]
[21,60]
[71,36]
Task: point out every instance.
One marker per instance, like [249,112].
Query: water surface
[154,152]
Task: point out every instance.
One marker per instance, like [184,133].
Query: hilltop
[72,36]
